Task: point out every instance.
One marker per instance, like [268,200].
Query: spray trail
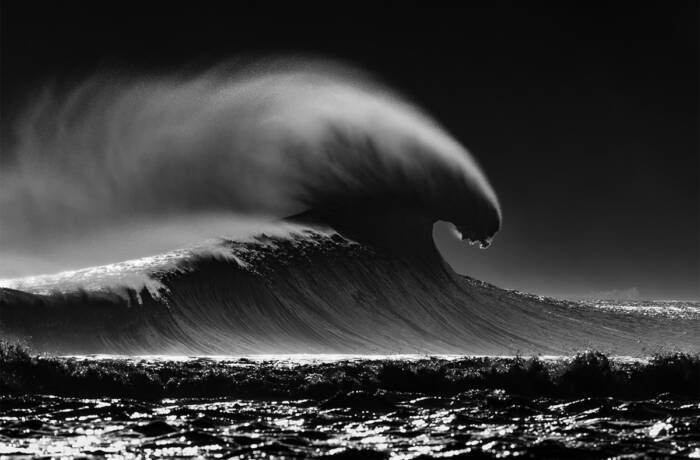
[123,168]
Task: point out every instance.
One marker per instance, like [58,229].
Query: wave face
[353,178]
[311,290]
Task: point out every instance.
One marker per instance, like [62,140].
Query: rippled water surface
[477,423]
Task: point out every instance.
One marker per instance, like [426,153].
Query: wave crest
[276,139]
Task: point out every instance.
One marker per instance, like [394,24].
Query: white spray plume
[129,167]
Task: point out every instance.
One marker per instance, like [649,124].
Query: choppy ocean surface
[352,407]
[476,424]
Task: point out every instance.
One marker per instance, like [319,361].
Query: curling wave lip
[275,139]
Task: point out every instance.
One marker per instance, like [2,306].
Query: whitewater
[279,207]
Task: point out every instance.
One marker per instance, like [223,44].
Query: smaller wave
[586,374]
[679,309]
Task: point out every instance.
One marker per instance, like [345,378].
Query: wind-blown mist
[126,167]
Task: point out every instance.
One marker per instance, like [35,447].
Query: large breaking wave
[347,180]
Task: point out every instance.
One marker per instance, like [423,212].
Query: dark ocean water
[432,421]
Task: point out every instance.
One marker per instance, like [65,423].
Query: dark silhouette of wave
[587,374]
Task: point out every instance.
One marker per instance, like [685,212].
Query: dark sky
[584,115]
